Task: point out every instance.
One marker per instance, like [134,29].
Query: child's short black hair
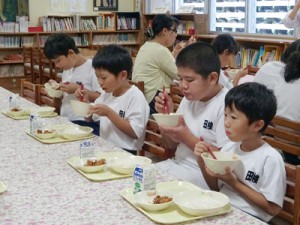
[200,57]
[223,42]
[114,59]
[59,44]
[255,100]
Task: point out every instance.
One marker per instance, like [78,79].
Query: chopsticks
[209,150]
[81,88]
[166,110]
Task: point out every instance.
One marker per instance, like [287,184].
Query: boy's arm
[121,123]
[250,194]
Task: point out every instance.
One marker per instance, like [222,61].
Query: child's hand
[160,102]
[203,146]
[101,110]
[178,133]
[191,40]
[82,95]
[229,177]
[69,87]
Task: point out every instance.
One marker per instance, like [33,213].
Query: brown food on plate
[44,132]
[15,110]
[91,162]
[161,199]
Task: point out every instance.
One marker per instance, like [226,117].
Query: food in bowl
[73,132]
[53,89]
[95,162]
[166,119]
[126,164]
[224,160]
[45,134]
[198,202]
[91,165]
[17,112]
[80,108]
[153,202]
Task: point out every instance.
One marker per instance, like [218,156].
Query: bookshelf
[88,31]
[248,44]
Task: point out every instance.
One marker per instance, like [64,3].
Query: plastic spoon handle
[209,150]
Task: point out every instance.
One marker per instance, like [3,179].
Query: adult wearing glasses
[292,19]
[155,63]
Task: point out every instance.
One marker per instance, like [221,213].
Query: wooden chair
[284,134]
[176,95]
[28,90]
[153,142]
[291,205]
[27,61]
[44,99]
[36,65]
[139,84]
[48,71]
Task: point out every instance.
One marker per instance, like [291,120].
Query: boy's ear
[213,77]
[123,75]
[258,125]
[71,52]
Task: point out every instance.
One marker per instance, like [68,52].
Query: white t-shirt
[271,74]
[133,107]
[262,170]
[292,24]
[84,74]
[205,119]
[155,65]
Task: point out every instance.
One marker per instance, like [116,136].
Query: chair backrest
[36,65]
[48,70]
[153,142]
[27,60]
[291,205]
[28,90]
[176,95]
[138,84]
[44,99]
[284,134]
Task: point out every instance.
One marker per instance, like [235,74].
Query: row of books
[16,41]
[126,23]
[185,26]
[11,70]
[256,57]
[114,39]
[50,24]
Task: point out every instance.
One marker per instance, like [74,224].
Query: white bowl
[232,73]
[46,135]
[82,165]
[20,112]
[53,91]
[76,132]
[197,202]
[144,199]
[126,164]
[80,108]
[166,119]
[224,159]
[43,111]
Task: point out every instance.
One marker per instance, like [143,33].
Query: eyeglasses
[173,30]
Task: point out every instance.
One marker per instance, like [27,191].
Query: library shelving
[93,31]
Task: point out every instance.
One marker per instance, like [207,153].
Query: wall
[39,8]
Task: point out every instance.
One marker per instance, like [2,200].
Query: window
[243,16]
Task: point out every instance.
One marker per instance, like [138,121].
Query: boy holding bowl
[257,184]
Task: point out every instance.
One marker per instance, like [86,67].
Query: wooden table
[43,189]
